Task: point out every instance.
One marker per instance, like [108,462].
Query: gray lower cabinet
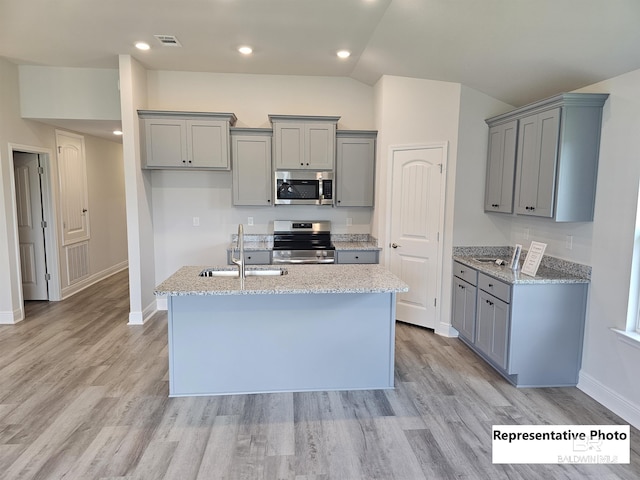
[183,140]
[464,308]
[357,256]
[556,157]
[530,333]
[253,257]
[251,159]
[501,166]
[355,168]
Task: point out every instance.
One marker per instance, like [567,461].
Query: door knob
[394,245]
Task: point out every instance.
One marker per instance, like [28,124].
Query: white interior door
[74,201]
[33,262]
[415,222]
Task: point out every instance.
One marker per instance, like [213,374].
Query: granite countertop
[544,274]
[356,245]
[300,279]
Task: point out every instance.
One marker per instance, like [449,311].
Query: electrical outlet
[250,221]
[569,242]
[196,221]
[349,221]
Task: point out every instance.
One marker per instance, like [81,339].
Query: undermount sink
[485,260]
[497,261]
[249,272]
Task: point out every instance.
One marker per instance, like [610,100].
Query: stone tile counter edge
[301,279]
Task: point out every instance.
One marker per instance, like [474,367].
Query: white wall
[140,235]
[13,130]
[105,181]
[179,196]
[471,226]
[610,365]
[69,93]
[412,111]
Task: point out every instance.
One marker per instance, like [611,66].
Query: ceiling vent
[168,40]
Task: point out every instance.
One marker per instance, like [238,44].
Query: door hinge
[40,171]
[440,168]
[47,276]
[438,237]
[43,223]
[435,302]
[59,149]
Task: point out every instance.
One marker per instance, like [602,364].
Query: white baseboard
[139,318]
[162,303]
[619,405]
[446,330]
[11,318]
[92,279]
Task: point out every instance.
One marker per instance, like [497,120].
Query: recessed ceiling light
[142,46]
[245,50]
[117,132]
[343,53]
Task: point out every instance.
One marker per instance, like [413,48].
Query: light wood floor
[84,396]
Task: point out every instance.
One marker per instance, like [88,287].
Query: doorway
[34,223]
[415,225]
[28,173]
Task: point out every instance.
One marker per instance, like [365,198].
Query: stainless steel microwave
[301,187]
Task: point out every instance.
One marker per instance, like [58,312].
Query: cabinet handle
[491,285]
[357,257]
[269,200]
[461,286]
[184,161]
[461,272]
[489,302]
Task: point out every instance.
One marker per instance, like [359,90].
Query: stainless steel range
[302,242]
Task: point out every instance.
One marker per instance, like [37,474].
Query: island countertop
[300,279]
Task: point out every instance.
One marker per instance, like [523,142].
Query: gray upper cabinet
[304,142]
[355,168]
[557,149]
[537,160]
[501,166]
[251,158]
[177,140]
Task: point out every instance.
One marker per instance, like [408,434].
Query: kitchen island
[319,327]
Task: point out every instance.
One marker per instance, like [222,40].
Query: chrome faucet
[239,261]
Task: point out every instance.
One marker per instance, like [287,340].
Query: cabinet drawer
[466,273]
[495,287]
[254,257]
[360,256]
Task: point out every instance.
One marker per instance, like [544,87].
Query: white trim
[619,405]
[162,303]
[93,279]
[11,318]
[630,338]
[446,330]
[441,226]
[140,318]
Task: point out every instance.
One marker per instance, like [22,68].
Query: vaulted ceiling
[517,51]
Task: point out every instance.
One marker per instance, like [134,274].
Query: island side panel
[227,344]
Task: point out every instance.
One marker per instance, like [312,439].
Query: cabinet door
[320,146]
[492,328]
[501,164]
[536,163]
[251,170]
[359,256]
[166,143]
[207,144]
[289,145]
[355,172]
[464,309]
